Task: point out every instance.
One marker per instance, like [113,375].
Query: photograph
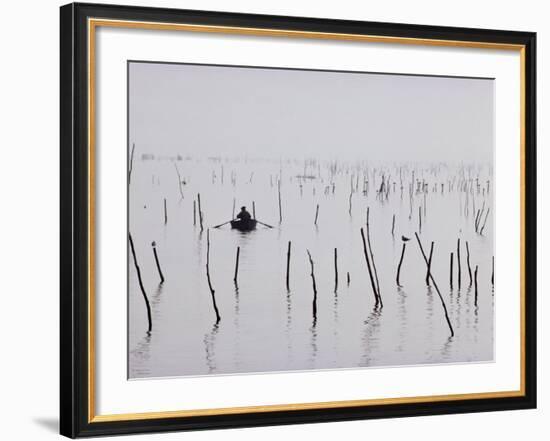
[297,220]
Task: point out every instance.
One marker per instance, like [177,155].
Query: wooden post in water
[480,216]
[485,220]
[393,225]
[233,212]
[131,164]
[372,260]
[314,286]
[288,266]
[154,245]
[436,288]
[179,180]
[335,269]
[419,219]
[468,262]
[493,271]
[475,286]
[138,271]
[200,210]
[348,278]
[212,291]
[350,195]
[165,213]
[316,214]
[280,205]
[458,262]
[429,265]
[451,272]
[373,283]
[253,210]
[400,263]
[237,265]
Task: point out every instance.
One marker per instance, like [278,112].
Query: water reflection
[141,354]
[446,348]
[288,328]
[430,319]
[369,339]
[313,343]
[468,309]
[155,301]
[236,324]
[210,348]
[402,318]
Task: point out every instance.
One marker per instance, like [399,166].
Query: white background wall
[29,206]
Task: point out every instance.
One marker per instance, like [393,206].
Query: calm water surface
[264,326]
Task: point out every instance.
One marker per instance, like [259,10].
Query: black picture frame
[75,417]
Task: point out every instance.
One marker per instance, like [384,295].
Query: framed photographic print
[273,220]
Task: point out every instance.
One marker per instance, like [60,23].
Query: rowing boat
[244,225]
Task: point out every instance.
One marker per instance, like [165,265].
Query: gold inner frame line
[92,26]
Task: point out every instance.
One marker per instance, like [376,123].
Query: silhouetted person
[244,215]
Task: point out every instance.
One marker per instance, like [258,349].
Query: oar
[269,226]
[221,225]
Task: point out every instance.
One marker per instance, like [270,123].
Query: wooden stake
[280,205]
[237,265]
[372,260]
[400,263]
[288,266]
[436,288]
[335,269]
[316,214]
[165,213]
[212,291]
[485,220]
[138,271]
[179,181]
[131,164]
[253,210]
[493,271]
[458,263]
[372,282]
[475,286]
[393,225]
[468,262]
[451,272]
[154,245]
[429,265]
[314,286]
[200,210]
[480,216]
[348,278]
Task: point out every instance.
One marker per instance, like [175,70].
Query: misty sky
[231,111]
